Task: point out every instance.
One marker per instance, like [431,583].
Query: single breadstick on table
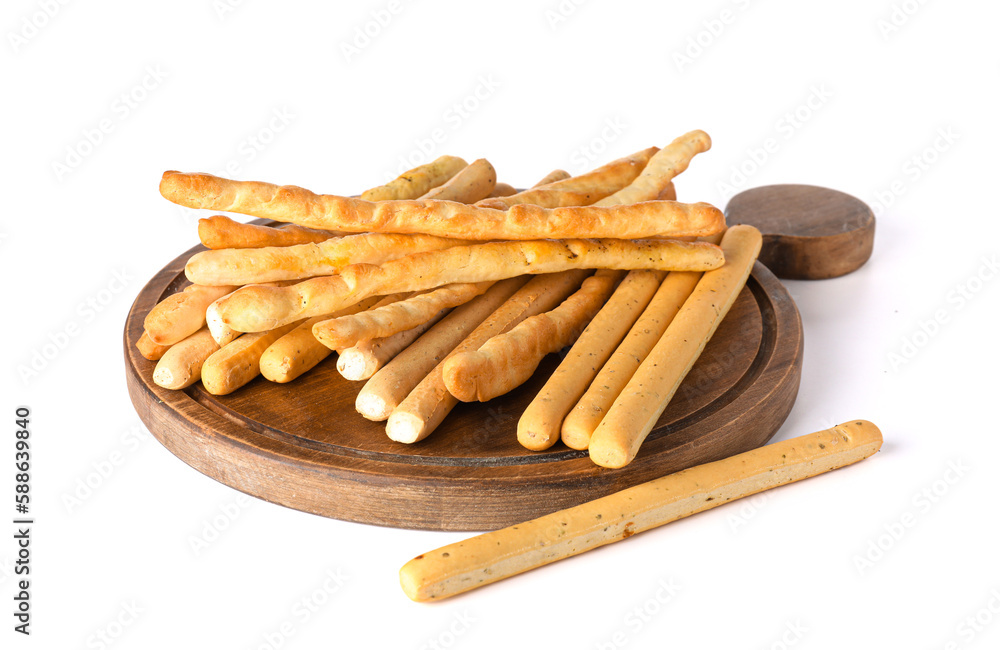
[473,183]
[181,314]
[222,232]
[365,358]
[148,349]
[580,190]
[664,166]
[540,424]
[271,264]
[425,407]
[343,332]
[634,413]
[181,365]
[390,385]
[493,556]
[417,181]
[256,308]
[508,360]
[552,177]
[236,364]
[442,218]
[298,351]
[502,189]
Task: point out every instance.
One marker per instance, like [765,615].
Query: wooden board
[303,445]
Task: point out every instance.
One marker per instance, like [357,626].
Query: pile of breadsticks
[444,286]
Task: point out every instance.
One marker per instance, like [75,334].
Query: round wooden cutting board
[303,445]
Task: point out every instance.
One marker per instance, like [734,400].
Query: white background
[794,569]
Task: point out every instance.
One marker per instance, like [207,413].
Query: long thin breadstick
[508,360]
[222,333]
[417,181]
[425,407]
[667,163]
[181,366]
[238,363]
[222,232]
[257,308]
[298,351]
[343,332]
[540,424]
[442,218]
[633,415]
[148,349]
[271,264]
[552,177]
[390,385]
[365,358]
[490,557]
[473,183]
[580,190]
[181,314]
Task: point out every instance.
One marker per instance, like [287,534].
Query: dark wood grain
[810,233]
[303,445]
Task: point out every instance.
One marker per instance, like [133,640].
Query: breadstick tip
[372,407]
[404,427]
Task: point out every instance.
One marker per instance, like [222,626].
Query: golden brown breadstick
[298,351]
[365,358]
[417,181]
[257,308]
[442,218]
[181,365]
[222,232]
[429,402]
[343,332]
[493,556]
[552,177]
[667,163]
[502,189]
[148,349]
[222,333]
[541,422]
[239,362]
[181,314]
[633,415]
[390,385]
[509,359]
[473,183]
[259,265]
[579,190]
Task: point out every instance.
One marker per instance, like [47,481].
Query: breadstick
[473,183]
[239,362]
[181,365]
[148,349]
[580,190]
[502,189]
[365,358]
[343,332]
[552,177]
[494,556]
[258,265]
[443,218]
[508,360]
[667,163]
[417,181]
[390,385]
[181,314]
[298,351]
[222,232]
[222,333]
[427,405]
[669,193]
[256,308]
[541,422]
[634,413]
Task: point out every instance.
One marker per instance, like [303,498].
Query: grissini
[441,218]
[429,402]
[502,189]
[365,358]
[345,331]
[579,190]
[298,351]
[552,177]
[181,365]
[181,314]
[509,359]
[634,413]
[391,384]
[148,349]
[276,263]
[257,308]
[661,169]
[222,333]
[417,181]
[236,364]
[493,556]
[540,424]
[222,232]
[473,183]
